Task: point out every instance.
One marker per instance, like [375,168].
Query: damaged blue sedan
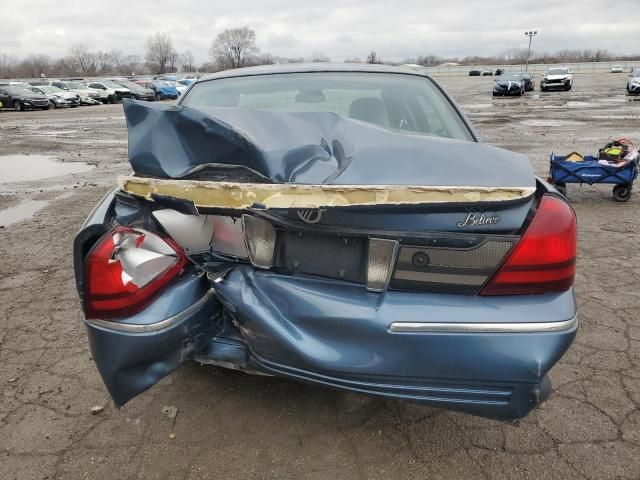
[334,224]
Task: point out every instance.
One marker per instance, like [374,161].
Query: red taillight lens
[544,260]
[125,269]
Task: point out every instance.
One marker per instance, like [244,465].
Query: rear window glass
[408,103]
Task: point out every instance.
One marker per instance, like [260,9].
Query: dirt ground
[232,425]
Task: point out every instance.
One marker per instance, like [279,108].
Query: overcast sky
[339,28]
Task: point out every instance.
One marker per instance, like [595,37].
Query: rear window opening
[407,103]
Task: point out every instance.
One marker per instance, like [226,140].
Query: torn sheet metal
[229,195]
[311,148]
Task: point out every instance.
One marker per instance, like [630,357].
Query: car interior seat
[369,109]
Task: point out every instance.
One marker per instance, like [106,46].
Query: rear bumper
[156,341]
[487,356]
[507,93]
[346,337]
[550,85]
[168,95]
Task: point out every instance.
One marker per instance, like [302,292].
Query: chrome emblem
[310,216]
[474,219]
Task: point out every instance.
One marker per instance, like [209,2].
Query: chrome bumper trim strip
[153,327]
[529,327]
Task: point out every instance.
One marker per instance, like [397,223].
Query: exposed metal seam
[529,327]
[232,195]
[153,327]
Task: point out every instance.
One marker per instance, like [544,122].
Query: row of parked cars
[508,84]
[46,94]
[554,79]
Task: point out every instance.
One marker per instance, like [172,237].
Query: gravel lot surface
[232,425]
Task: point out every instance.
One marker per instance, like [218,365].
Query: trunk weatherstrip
[242,196]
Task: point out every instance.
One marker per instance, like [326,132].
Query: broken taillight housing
[126,269]
[544,260]
[381,258]
[260,238]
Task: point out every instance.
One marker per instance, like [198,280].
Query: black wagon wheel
[622,193]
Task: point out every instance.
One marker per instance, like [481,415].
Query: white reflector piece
[380,262]
[260,237]
[143,256]
[192,232]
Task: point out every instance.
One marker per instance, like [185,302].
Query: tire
[18,106]
[562,188]
[158,96]
[112,99]
[622,193]
[52,105]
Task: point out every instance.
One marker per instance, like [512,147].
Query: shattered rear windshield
[398,102]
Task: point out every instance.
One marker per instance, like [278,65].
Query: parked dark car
[138,92]
[475,73]
[20,98]
[335,224]
[162,89]
[509,84]
[487,73]
[529,81]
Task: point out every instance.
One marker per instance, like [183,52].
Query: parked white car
[560,78]
[57,97]
[616,69]
[633,84]
[87,96]
[110,91]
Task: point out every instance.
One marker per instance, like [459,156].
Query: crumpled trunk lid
[245,145]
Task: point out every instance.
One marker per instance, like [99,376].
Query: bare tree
[103,62]
[7,65]
[34,66]
[233,47]
[160,52]
[188,61]
[174,58]
[84,60]
[319,57]
[373,58]
[116,58]
[516,55]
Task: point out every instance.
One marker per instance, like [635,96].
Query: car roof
[311,68]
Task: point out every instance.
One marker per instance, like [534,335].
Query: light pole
[530,34]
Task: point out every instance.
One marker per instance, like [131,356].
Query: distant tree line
[516,56]
[235,48]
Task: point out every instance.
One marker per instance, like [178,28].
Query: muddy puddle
[22,211]
[25,168]
[476,106]
[53,133]
[535,122]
